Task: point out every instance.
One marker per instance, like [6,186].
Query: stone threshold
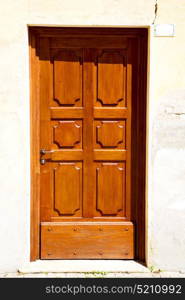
[80,266]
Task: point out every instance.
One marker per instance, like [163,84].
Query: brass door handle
[44,151]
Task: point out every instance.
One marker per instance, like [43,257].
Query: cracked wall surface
[166,122]
[155,11]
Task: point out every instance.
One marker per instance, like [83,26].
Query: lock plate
[42,161]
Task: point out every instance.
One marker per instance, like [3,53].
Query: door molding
[139,153]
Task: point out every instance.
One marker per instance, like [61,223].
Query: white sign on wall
[167,30]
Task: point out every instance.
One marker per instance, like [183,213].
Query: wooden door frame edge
[34,147]
[34,32]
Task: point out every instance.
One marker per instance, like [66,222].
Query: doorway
[88,132]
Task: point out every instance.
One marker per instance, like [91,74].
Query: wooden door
[87,93]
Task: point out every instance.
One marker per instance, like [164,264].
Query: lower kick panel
[87,240]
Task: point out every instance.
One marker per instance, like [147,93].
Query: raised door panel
[67,134]
[111,78]
[61,190]
[67,189]
[67,78]
[110,134]
[110,189]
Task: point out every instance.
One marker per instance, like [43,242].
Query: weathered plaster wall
[166,145]
[166,198]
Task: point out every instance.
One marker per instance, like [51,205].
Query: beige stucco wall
[166,119]
[167,144]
